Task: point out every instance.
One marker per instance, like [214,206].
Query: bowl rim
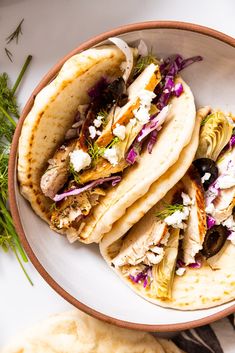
[12,174]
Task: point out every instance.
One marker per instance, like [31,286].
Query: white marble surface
[51,29]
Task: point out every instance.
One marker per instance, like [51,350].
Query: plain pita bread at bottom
[76,332]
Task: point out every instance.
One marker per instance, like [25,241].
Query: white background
[51,29]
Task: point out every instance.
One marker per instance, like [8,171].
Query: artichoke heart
[214,136]
[163,273]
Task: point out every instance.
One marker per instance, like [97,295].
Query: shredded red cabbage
[142,276]
[196,264]
[232,141]
[77,191]
[212,192]
[178,89]
[152,141]
[180,263]
[210,221]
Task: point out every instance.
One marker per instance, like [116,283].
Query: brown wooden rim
[13,155]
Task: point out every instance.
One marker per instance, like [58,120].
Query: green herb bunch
[168,210]
[8,113]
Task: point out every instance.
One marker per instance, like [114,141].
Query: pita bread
[188,290]
[53,113]
[76,332]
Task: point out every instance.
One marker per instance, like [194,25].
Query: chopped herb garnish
[104,114]
[8,110]
[169,210]
[16,33]
[9,54]
[143,62]
[53,207]
[75,174]
[95,151]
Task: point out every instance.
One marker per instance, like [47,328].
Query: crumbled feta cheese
[210,209]
[79,160]
[120,131]
[111,155]
[226,181]
[205,177]
[186,199]
[153,259]
[229,223]
[133,121]
[157,249]
[142,113]
[97,122]
[92,131]
[98,132]
[180,271]
[176,219]
[231,237]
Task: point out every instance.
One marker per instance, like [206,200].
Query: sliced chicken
[225,201]
[72,209]
[102,169]
[196,225]
[141,245]
[57,172]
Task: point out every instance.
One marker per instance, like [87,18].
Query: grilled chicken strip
[141,246]
[196,225]
[57,172]
[225,201]
[70,211]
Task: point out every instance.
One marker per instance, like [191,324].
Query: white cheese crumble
[111,155]
[186,199]
[98,121]
[180,271]
[120,131]
[142,113]
[79,160]
[229,223]
[176,219]
[231,237]
[226,181]
[133,121]
[92,131]
[205,177]
[210,209]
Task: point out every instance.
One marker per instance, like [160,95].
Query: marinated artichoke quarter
[215,133]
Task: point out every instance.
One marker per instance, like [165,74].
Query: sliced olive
[206,165]
[214,241]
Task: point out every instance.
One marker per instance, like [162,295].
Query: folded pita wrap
[174,252]
[70,173]
[76,332]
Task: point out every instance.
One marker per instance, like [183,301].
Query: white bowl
[77,271]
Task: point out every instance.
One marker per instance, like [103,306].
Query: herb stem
[11,120]
[21,74]
[21,265]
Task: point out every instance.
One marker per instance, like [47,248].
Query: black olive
[206,165]
[214,240]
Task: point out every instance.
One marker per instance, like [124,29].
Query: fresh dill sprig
[75,174]
[143,62]
[53,207]
[169,210]
[15,35]
[8,111]
[95,151]
[104,114]
[9,54]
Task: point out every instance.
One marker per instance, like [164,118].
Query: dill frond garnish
[143,62]
[75,174]
[15,35]
[95,151]
[9,54]
[104,114]
[169,210]
[8,111]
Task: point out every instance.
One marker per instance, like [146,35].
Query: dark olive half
[214,240]
[206,165]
